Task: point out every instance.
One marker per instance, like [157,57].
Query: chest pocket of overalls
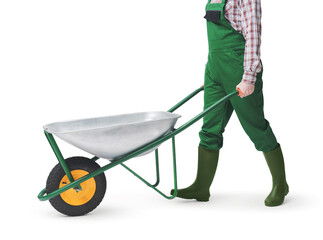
[212,15]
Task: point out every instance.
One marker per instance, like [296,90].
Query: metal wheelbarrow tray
[113,136]
[77,185]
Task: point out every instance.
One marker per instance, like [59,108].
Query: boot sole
[200,199]
[274,204]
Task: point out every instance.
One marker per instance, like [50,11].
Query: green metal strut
[61,159]
[59,155]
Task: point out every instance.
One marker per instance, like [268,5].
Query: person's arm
[251,27]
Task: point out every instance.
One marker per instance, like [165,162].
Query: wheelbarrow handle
[206,111]
[186,99]
[238,91]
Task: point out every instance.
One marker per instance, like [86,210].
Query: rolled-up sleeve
[251,28]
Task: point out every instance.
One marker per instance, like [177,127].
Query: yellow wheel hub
[74,198]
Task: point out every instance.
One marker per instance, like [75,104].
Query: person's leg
[280,188]
[200,189]
[250,112]
[251,115]
[211,140]
[214,123]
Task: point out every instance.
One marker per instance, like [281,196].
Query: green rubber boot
[200,189]
[280,189]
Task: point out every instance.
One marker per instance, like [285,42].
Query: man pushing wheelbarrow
[234,36]
[77,185]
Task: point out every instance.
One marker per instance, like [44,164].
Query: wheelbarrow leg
[157,171]
[157,168]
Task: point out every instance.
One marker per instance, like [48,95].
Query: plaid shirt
[245,17]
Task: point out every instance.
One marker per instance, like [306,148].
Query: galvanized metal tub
[114,136]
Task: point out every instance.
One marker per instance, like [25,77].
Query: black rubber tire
[55,176]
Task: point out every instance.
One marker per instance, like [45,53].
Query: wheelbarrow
[77,185]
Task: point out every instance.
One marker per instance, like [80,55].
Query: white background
[64,59]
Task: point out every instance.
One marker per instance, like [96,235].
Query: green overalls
[224,71]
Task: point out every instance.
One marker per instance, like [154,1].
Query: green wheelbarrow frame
[43,196]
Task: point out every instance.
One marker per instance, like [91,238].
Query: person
[234,38]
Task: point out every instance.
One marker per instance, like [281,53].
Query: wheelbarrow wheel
[76,202]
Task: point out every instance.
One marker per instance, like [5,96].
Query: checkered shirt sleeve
[251,25]
[245,17]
